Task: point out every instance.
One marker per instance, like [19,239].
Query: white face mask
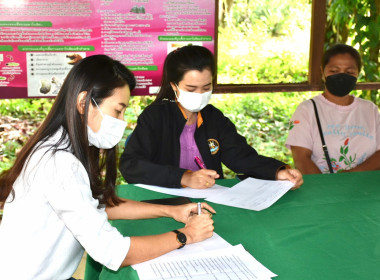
[110,133]
[193,101]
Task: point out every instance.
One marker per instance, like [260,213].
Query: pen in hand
[199,162]
[199,208]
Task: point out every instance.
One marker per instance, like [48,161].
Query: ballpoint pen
[199,162]
[199,208]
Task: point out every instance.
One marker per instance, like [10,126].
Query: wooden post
[317,39]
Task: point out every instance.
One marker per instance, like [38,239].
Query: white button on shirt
[53,218]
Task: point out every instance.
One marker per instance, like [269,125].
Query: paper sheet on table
[227,263]
[253,194]
[213,243]
[187,192]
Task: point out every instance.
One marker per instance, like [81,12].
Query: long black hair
[98,75]
[180,61]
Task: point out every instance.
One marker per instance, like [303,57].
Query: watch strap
[177,232]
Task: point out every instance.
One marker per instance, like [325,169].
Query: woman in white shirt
[56,202]
[350,125]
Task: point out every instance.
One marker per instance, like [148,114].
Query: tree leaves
[362,21]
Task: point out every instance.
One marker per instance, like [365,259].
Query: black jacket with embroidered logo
[152,154]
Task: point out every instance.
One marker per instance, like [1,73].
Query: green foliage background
[267,42]
[19,118]
[357,22]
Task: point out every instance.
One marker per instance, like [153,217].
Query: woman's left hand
[293,175]
[181,213]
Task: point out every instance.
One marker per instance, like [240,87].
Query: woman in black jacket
[181,141]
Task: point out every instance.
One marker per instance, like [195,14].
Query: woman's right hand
[200,179]
[143,248]
[198,227]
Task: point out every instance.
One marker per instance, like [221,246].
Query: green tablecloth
[328,229]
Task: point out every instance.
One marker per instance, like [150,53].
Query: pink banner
[41,40]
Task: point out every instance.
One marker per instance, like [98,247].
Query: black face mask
[340,84]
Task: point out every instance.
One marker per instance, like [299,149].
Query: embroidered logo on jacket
[213,145]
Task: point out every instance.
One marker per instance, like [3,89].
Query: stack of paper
[227,263]
[213,243]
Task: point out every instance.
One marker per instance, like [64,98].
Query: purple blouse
[189,148]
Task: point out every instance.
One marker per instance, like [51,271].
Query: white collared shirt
[53,218]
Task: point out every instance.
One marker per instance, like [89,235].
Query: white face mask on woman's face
[193,101]
[110,133]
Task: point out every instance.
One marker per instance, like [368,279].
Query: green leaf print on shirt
[292,123]
[347,160]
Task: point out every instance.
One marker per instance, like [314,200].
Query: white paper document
[227,263]
[187,192]
[213,243]
[253,194]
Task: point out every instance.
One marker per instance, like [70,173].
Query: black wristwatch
[181,238]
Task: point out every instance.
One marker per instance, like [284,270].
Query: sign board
[41,40]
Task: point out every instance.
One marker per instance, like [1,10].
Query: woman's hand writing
[198,228]
[200,179]
[182,213]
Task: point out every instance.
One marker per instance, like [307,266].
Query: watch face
[181,237]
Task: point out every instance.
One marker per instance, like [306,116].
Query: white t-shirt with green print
[352,133]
